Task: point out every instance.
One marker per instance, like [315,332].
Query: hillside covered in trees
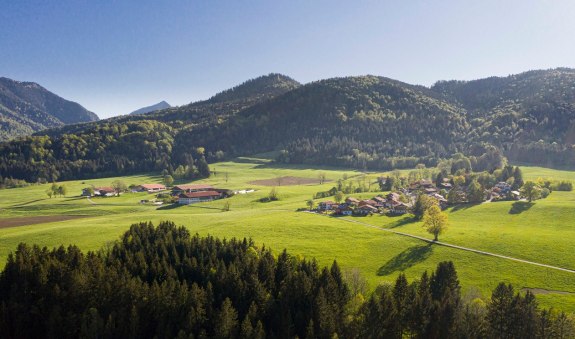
[26,107]
[162,282]
[364,122]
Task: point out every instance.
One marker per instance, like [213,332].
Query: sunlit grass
[543,232]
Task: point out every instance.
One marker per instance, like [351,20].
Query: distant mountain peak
[160,105]
[260,86]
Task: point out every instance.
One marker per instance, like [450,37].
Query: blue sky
[116,56]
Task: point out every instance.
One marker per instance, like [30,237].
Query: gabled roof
[368,202]
[379,199]
[352,199]
[368,207]
[193,187]
[205,194]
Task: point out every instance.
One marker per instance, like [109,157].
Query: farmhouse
[195,197]
[150,188]
[191,188]
[399,208]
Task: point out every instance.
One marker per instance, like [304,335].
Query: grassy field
[542,232]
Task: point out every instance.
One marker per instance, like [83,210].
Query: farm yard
[541,231]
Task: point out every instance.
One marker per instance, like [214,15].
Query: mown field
[543,231]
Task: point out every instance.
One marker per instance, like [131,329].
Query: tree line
[164,282]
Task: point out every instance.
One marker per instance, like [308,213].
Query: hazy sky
[116,56]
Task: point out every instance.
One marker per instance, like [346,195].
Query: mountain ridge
[27,107]
[365,122]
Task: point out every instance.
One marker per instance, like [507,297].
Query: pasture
[543,231]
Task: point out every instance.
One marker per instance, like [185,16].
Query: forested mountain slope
[26,107]
[365,122]
[531,116]
[353,121]
[135,143]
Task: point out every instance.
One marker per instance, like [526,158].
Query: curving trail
[453,246]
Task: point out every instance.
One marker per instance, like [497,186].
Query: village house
[344,209]
[398,208]
[188,198]
[440,199]
[326,206]
[368,202]
[422,185]
[150,188]
[504,187]
[390,199]
[352,201]
[446,185]
[366,209]
[380,200]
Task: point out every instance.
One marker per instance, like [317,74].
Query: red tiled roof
[200,194]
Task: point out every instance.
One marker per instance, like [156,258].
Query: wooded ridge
[364,122]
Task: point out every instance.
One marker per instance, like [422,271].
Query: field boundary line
[452,245]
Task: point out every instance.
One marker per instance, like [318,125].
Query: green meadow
[543,231]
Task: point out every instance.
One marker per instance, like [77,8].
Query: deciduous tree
[531,191]
[435,221]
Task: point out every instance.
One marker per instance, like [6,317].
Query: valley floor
[542,232]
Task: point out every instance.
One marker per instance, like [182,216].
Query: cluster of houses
[184,194]
[391,204]
[400,202]
[502,191]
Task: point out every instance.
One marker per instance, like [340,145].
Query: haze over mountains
[365,122]
[26,107]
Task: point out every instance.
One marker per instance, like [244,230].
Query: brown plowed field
[23,221]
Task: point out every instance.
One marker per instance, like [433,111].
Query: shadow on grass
[169,207]
[254,161]
[400,222]
[28,202]
[460,207]
[406,259]
[520,207]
